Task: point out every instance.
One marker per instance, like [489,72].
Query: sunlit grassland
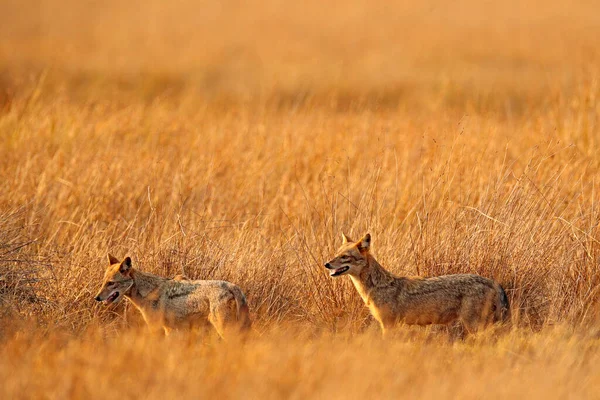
[237,141]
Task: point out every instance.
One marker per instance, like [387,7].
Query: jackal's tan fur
[177,303]
[471,299]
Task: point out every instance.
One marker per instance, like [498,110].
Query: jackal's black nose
[97,298]
[327,265]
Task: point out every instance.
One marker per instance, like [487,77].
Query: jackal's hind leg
[472,315]
[219,319]
[223,317]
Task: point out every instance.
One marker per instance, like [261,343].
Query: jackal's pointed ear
[125,265]
[345,239]
[365,243]
[112,259]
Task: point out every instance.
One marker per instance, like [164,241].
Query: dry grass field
[237,140]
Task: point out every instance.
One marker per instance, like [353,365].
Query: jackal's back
[441,300]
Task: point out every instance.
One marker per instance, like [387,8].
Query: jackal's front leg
[156,326]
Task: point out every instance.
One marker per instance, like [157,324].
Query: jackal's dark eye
[344,259]
[111,283]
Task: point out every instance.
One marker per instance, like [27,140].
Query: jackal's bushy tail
[243,313]
[502,307]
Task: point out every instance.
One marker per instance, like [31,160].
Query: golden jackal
[471,299]
[176,303]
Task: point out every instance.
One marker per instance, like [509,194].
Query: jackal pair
[473,300]
[177,303]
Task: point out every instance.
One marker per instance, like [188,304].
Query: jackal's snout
[336,271]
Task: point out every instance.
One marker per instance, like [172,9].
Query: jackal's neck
[143,285]
[372,275]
